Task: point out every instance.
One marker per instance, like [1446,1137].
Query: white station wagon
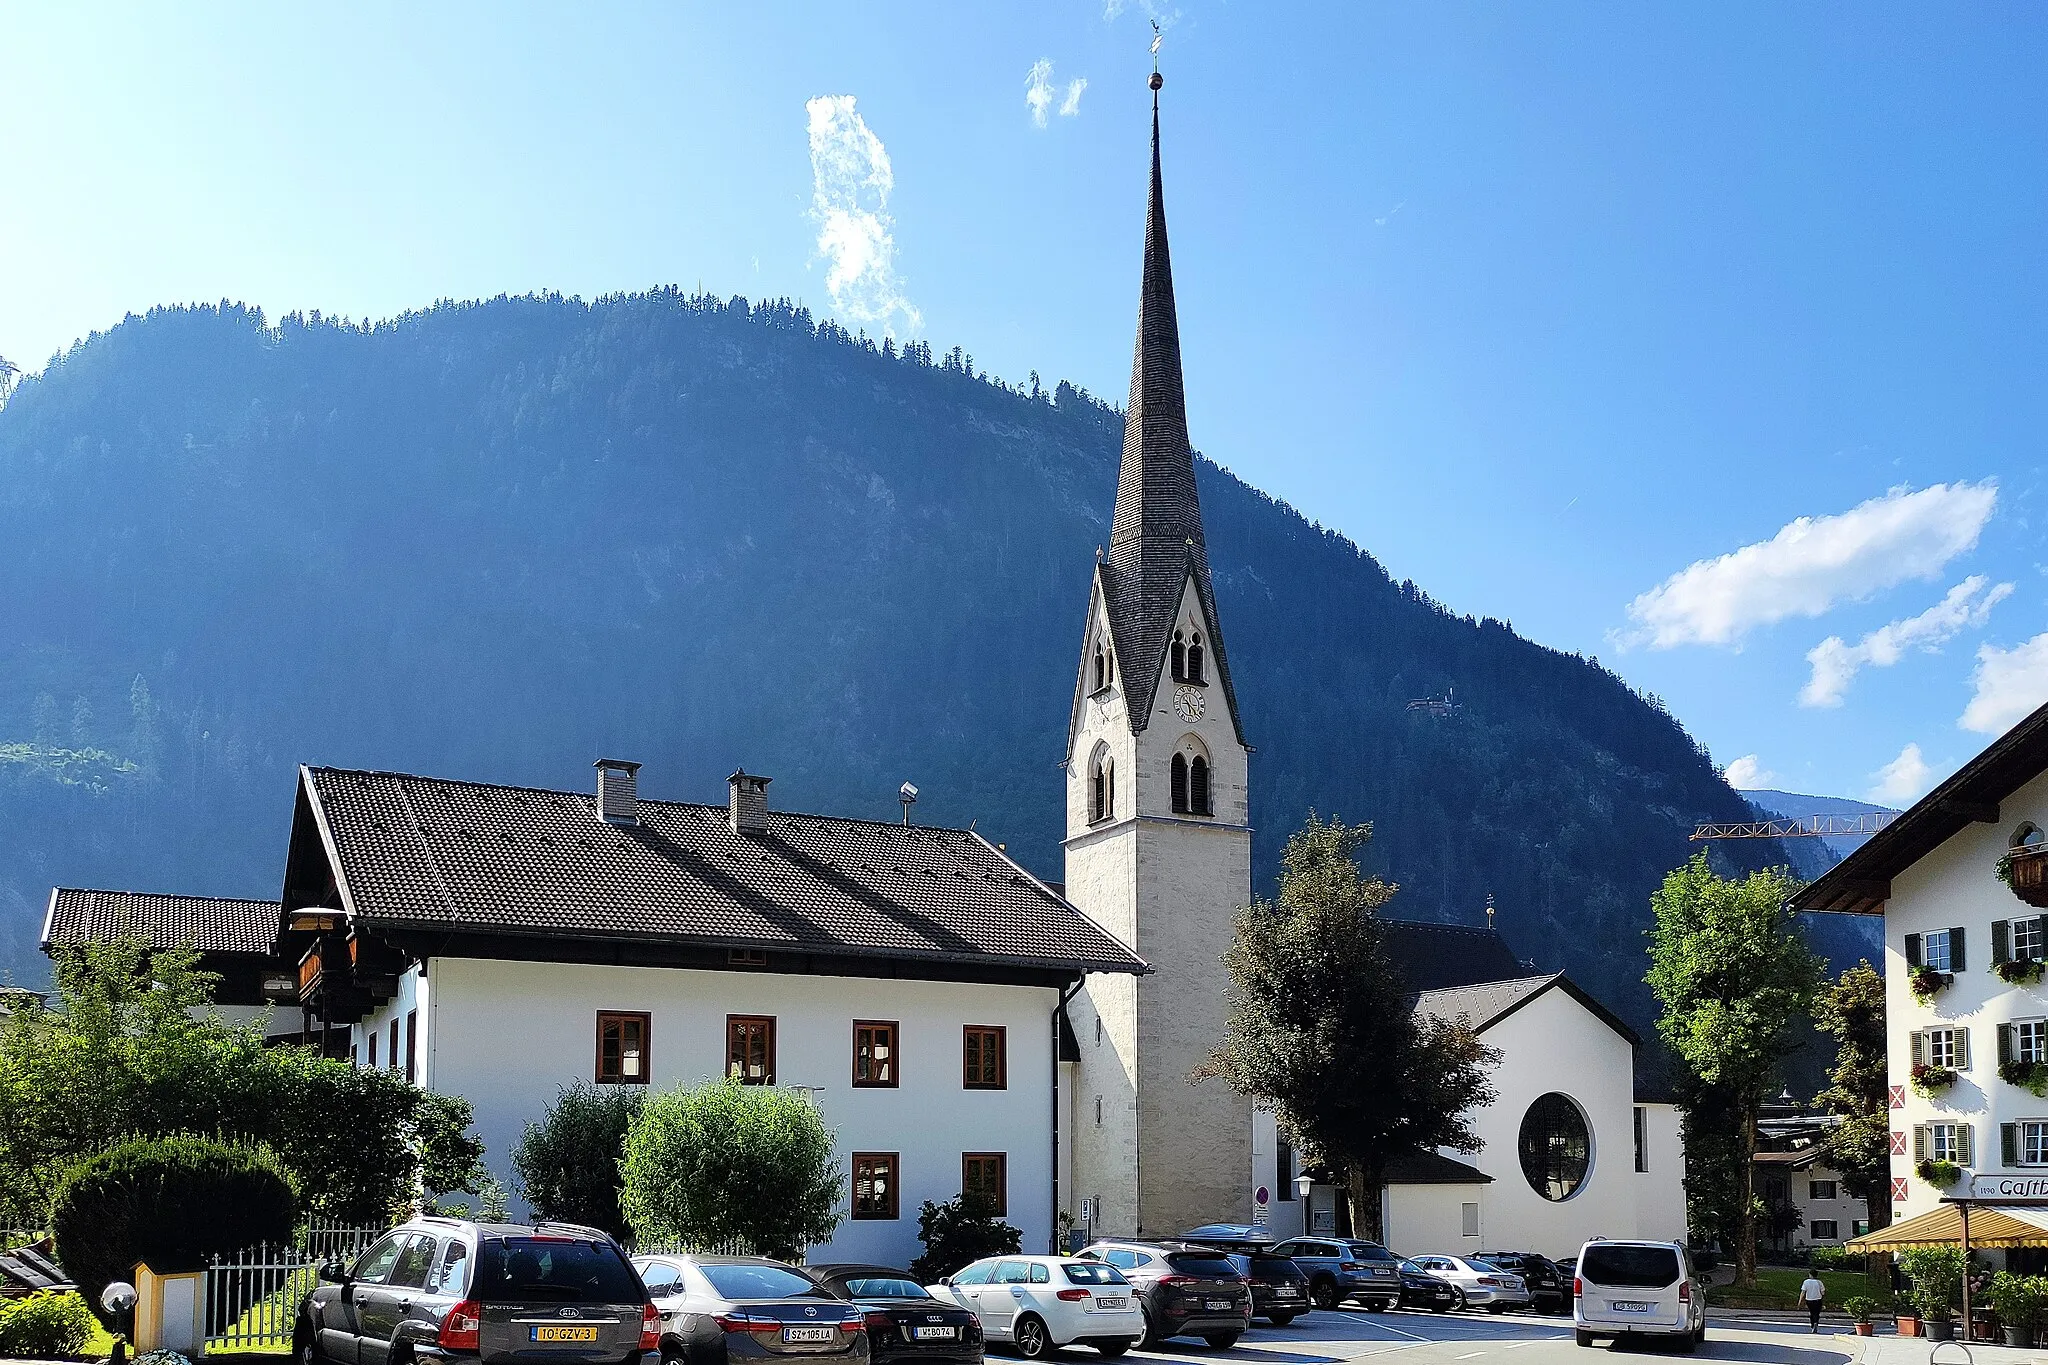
[1040,1303]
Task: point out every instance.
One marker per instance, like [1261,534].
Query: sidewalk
[1897,1350]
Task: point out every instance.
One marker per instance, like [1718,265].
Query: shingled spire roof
[1156,539]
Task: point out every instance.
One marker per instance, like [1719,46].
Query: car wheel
[1112,1349]
[1323,1294]
[307,1349]
[1150,1341]
[1458,1304]
[1583,1338]
[1032,1340]
[1222,1341]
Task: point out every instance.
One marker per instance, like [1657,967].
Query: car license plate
[1285,1291]
[809,1333]
[1381,1270]
[1217,1305]
[934,1333]
[1118,1302]
[1632,1306]
[564,1334]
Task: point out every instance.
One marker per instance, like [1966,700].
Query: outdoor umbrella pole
[1965,1208]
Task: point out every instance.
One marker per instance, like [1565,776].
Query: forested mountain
[495,540]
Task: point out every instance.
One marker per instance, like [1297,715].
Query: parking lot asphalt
[1327,1338]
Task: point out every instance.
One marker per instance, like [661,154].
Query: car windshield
[510,1269]
[1092,1272]
[760,1282]
[1370,1251]
[1629,1267]
[1206,1264]
[1412,1268]
[882,1287]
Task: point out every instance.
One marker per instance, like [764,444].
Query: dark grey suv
[447,1290]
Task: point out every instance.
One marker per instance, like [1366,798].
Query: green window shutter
[2001,942]
[1918,1042]
[2009,1144]
[1955,949]
[2041,929]
[2004,1044]
[1962,1049]
[1966,1145]
[1919,1142]
[1912,950]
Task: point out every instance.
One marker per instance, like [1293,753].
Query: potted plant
[2015,1298]
[2026,1075]
[1937,1275]
[1930,1081]
[1939,1173]
[2020,971]
[1927,982]
[1860,1308]
[2025,870]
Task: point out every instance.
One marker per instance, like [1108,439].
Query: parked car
[451,1289]
[1040,1303]
[719,1308]
[1549,1287]
[1279,1289]
[1339,1270]
[1637,1289]
[1420,1289]
[1183,1289]
[905,1323]
[1480,1284]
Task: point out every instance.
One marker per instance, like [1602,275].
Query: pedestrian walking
[1811,1293]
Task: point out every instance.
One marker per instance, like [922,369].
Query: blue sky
[1569,313]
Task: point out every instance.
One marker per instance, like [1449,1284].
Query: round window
[2027,835]
[1556,1147]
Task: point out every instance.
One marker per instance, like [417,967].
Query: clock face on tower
[1188,702]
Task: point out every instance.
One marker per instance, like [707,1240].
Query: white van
[1638,1289]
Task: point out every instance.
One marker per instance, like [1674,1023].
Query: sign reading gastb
[2009,1187]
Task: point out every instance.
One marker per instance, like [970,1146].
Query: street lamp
[1304,1184]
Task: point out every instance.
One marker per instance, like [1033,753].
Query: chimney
[618,791]
[748,812]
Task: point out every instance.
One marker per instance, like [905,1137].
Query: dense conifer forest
[496,540]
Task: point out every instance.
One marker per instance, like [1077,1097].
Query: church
[961,1024]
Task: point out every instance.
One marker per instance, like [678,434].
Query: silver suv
[454,1291]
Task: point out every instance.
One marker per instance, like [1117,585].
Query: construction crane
[1812,827]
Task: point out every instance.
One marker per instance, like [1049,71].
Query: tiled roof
[518,860]
[1155,538]
[1489,1002]
[1433,956]
[217,926]
[1433,1168]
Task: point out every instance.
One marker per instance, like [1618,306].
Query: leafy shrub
[958,1233]
[725,1163]
[568,1163]
[1861,1307]
[1937,1276]
[1828,1258]
[45,1326]
[172,1202]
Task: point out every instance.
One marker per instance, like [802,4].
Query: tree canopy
[1851,1009]
[1322,1028]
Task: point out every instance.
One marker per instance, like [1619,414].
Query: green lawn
[1778,1287]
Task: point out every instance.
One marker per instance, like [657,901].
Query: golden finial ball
[1157,80]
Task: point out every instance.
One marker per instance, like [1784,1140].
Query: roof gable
[1483,1005]
[79,916]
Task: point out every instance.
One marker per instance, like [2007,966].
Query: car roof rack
[559,1225]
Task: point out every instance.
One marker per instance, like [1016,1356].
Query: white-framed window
[2033,1143]
[1945,1142]
[1934,950]
[2026,939]
[2030,1040]
[1941,1047]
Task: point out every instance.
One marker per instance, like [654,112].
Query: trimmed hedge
[172,1202]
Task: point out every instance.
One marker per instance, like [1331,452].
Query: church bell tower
[1158,846]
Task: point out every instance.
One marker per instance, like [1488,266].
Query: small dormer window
[1179,657]
[1194,664]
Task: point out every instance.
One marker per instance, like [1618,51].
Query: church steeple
[1156,542]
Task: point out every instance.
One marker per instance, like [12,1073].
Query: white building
[1981,1021]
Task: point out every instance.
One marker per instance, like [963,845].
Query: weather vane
[1158,37]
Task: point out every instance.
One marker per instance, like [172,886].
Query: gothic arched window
[1101,667]
[1179,784]
[1195,657]
[1180,658]
[1198,787]
[1101,788]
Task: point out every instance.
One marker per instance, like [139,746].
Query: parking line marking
[1374,1320]
[1471,1355]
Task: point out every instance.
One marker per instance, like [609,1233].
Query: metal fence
[253,1296]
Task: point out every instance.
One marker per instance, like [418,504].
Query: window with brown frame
[412,1046]
[984,1065]
[874,1185]
[987,1173]
[874,1052]
[622,1049]
[750,1048]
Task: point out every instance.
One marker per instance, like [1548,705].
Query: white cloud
[2008,683]
[1901,781]
[1836,662]
[1748,774]
[1071,105]
[1812,564]
[1038,89]
[850,185]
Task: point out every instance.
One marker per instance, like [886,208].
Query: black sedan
[1420,1289]
[1550,1288]
[904,1323]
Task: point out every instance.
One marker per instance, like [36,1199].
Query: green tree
[725,1163]
[1323,1029]
[958,1233]
[1852,1009]
[1735,979]
[567,1164]
[1715,1159]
